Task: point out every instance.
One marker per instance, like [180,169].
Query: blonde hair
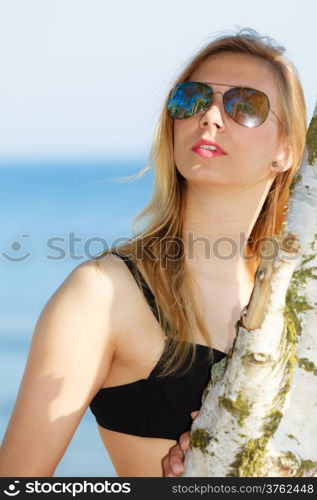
[179,315]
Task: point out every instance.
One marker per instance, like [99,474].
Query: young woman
[133,333]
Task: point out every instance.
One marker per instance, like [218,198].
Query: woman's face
[250,151]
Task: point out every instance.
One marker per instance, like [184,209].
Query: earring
[274,164]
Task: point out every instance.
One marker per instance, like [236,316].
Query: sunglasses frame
[222,93]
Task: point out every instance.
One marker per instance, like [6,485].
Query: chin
[202,173]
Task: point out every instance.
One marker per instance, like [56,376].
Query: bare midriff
[135,456]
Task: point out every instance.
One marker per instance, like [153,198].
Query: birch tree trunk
[259,410]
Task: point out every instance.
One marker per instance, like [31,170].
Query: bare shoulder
[112,268]
[86,295]
[101,285]
[126,302]
[129,304]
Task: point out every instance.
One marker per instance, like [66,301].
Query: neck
[217,225]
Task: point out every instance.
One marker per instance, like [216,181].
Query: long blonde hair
[161,238]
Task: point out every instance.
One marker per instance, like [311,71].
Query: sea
[55,215]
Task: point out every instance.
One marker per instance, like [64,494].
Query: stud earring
[274,164]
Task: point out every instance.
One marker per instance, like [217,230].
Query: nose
[214,114]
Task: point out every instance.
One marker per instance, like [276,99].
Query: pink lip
[205,153]
[210,153]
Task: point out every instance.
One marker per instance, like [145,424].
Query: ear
[284,158]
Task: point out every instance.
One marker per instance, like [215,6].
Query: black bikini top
[155,407]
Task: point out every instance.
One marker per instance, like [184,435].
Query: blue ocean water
[52,218]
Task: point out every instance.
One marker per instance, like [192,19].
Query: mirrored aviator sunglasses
[248,107]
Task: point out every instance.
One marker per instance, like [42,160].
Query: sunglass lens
[188,99]
[248,107]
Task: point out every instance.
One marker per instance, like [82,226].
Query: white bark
[259,411]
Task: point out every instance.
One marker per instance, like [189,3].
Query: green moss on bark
[200,438]
[239,407]
[250,460]
[307,365]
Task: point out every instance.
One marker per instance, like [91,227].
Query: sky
[86,79]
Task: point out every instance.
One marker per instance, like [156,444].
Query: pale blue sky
[60,61]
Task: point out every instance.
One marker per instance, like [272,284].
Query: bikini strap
[140,280]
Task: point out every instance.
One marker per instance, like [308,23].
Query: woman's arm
[72,347]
